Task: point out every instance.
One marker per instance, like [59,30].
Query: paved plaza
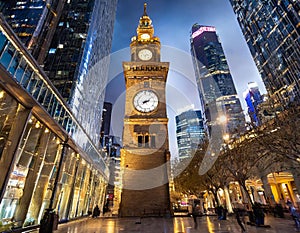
[206,224]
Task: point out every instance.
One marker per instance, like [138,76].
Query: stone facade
[144,158]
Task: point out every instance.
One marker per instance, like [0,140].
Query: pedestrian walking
[295,214]
[194,214]
[259,214]
[96,212]
[240,218]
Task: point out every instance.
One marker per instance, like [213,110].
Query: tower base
[145,203]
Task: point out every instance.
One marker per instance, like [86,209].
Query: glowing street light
[222,119]
[226,137]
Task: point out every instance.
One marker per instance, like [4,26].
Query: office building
[72,41]
[42,165]
[253,98]
[105,124]
[189,132]
[34,22]
[230,114]
[272,32]
[78,59]
[215,83]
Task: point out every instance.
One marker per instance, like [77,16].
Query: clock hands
[146,101]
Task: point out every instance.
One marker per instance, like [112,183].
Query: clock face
[145,54]
[145,36]
[145,101]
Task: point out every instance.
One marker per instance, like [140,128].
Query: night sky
[172,21]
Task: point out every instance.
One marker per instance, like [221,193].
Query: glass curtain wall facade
[78,59]
[189,132]
[34,22]
[271,29]
[207,49]
[41,164]
[215,83]
[253,99]
[72,41]
[23,16]
[229,108]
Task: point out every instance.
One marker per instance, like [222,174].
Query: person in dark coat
[194,214]
[96,212]
[239,215]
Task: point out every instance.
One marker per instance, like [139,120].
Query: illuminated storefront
[283,188]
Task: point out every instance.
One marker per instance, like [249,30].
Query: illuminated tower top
[145,41]
[145,30]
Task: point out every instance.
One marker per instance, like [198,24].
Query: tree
[189,181]
[241,162]
[281,136]
[216,178]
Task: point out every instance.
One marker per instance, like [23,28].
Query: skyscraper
[271,29]
[42,165]
[208,50]
[72,41]
[23,17]
[34,22]
[105,123]
[214,79]
[189,132]
[77,62]
[253,98]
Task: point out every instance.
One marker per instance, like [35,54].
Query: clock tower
[145,153]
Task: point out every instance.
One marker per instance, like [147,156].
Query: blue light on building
[189,132]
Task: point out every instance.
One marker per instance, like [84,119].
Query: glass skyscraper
[78,59]
[189,132]
[253,98]
[272,31]
[205,46]
[34,22]
[71,40]
[24,17]
[51,112]
[42,165]
[215,84]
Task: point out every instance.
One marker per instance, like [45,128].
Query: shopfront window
[47,165]
[36,159]
[15,187]
[67,182]
[8,112]
[77,184]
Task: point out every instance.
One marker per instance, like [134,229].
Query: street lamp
[222,119]
[226,137]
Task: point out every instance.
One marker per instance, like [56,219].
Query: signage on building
[203,29]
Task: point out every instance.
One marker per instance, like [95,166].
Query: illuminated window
[52,50]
